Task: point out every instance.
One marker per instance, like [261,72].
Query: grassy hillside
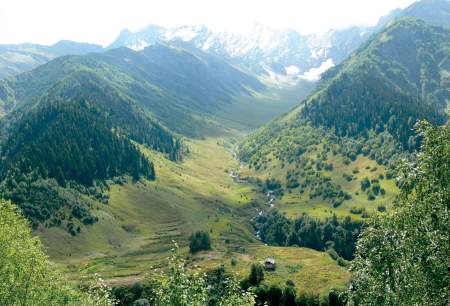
[312,170]
[69,123]
[61,151]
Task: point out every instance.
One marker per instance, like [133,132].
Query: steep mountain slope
[395,79]
[15,59]
[176,86]
[334,147]
[57,155]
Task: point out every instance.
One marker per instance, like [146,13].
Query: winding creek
[235,175]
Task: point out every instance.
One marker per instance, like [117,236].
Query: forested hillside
[364,110]
[61,148]
[398,77]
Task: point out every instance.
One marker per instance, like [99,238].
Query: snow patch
[313,74]
[183,33]
[208,43]
[139,45]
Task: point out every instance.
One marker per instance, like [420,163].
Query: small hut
[269,264]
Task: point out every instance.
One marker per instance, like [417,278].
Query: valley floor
[138,227]
[142,221]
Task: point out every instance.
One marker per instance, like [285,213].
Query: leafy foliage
[402,257]
[177,287]
[26,275]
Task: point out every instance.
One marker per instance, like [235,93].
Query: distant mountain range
[277,54]
[270,52]
[15,59]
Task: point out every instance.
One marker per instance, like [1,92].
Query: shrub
[365,183]
[342,262]
[256,274]
[376,188]
[381,208]
[357,210]
[199,241]
[233,261]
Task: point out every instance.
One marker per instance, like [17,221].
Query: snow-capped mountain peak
[263,50]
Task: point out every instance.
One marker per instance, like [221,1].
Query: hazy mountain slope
[334,147]
[176,86]
[436,12]
[15,59]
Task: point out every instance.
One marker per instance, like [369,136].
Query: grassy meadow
[294,203]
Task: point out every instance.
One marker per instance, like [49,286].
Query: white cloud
[99,21]
[313,74]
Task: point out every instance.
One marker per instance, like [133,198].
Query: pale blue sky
[99,21]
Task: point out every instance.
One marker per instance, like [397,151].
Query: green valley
[181,166]
[136,228]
